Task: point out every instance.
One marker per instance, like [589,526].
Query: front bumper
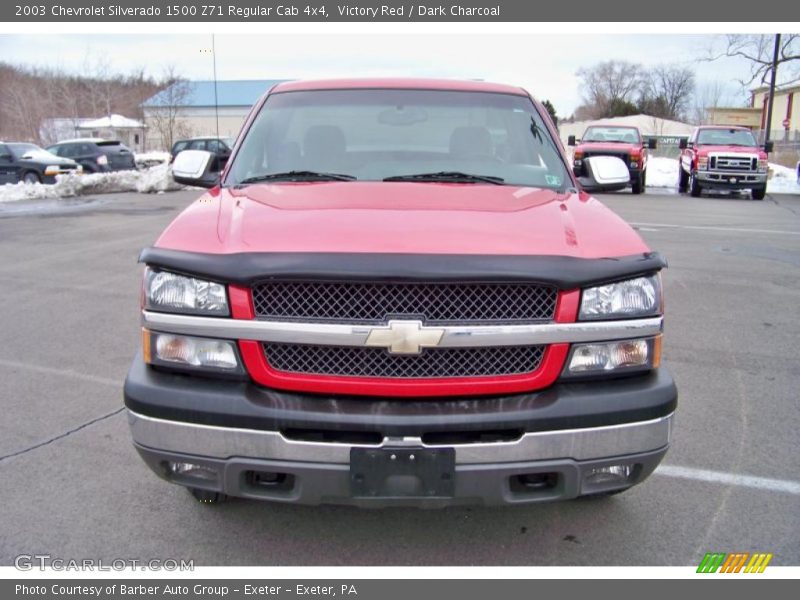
[304,442]
[731,180]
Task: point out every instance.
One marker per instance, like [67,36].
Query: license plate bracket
[402,472]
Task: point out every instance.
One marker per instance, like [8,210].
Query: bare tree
[610,85]
[165,112]
[33,101]
[757,50]
[667,91]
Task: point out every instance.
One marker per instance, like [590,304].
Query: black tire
[683,180]
[207,496]
[759,193]
[637,185]
[31,177]
[694,187]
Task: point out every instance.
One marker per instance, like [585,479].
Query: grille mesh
[378,362]
[434,303]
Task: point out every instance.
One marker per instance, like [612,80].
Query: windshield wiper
[297,176]
[448,177]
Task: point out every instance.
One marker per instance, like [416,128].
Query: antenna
[216,101]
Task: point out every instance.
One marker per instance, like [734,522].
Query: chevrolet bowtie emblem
[404,337]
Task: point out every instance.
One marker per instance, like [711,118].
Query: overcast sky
[543,64]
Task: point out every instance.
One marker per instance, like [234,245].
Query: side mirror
[607,173]
[769,146]
[571,140]
[6,156]
[683,144]
[652,143]
[193,167]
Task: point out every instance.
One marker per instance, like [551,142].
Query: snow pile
[150,159]
[154,179]
[662,172]
[783,180]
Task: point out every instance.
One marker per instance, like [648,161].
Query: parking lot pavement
[73,487]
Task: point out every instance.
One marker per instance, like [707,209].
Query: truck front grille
[433,303]
[734,163]
[378,362]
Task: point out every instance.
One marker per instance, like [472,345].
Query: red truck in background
[723,158]
[624,142]
[396,294]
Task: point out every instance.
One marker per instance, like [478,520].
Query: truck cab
[723,158]
[623,142]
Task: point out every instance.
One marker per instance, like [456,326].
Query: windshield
[725,137]
[20,150]
[372,135]
[624,135]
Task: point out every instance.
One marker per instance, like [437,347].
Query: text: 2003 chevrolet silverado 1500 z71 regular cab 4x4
[396,294]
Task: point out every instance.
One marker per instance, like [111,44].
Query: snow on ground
[154,179]
[663,172]
[783,180]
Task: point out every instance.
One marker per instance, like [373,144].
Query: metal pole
[773,76]
[216,102]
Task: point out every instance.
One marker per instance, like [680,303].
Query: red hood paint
[607,147]
[400,217]
[705,150]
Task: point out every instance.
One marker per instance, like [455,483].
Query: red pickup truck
[723,158]
[395,294]
[624,142]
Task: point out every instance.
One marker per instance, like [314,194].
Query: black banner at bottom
[733,586]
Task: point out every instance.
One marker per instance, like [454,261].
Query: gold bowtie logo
[404,337]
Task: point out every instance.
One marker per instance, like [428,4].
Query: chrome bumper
[732,177]
[224,442]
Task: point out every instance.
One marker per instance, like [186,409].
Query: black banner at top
[278,11]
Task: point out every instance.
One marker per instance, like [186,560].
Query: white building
[202,106]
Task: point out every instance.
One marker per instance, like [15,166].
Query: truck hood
[607,147]
[400,217]
[706,150]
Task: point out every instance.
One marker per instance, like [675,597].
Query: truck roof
[725,127]
[399,83]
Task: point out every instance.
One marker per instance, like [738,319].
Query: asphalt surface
[73,486]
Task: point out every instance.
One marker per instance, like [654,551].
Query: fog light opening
[269,480]
[610,475]
[189,471]
[528,483]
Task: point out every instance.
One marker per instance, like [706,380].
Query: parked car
[220,148]
[723,158]
[21,161]
[383,303]
[623,142]
[96,155]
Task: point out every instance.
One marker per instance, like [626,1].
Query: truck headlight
[620,356]
[763,165]
[702,163]
[169,292]
[640,297]
[205,354]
